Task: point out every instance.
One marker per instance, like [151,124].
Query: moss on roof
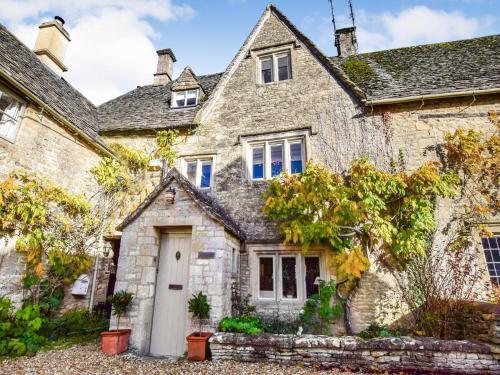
[463,65]
[358,70]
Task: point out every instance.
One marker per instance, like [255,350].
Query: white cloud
[111,49]
[416,25]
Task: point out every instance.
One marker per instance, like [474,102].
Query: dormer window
[275,67]
[186,98]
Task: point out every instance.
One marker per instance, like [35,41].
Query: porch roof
[208,204]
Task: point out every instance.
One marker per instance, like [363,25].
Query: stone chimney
[51,44]
[164,71]
[346,42]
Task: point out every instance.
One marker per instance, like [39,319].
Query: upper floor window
[11,111]
[275,67]
[270,158]
[199,171]
[491,247]
[186,98]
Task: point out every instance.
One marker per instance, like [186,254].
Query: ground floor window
[288,276]
[491,247]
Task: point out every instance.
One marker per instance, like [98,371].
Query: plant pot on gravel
[198,341]
[116,341]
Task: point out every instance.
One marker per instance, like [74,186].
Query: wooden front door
[168,336]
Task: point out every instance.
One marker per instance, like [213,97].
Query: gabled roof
[204,201]
[186,81]
[326,62]
[148,107]
[452,67]
[20,64]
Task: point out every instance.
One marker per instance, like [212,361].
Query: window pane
[267,70]
[191,98]
[206,173]
[283,68]
[492,255]
[289,277]
[276,160]
[191,172]
[312,273]
[266,277]
[257,162]
[9,113]
[180,99]
[296,164]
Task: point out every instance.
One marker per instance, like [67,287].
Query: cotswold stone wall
[47,149]
[209,263]
[340,131]
[418,355]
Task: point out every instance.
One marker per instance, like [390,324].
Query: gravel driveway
[88,359]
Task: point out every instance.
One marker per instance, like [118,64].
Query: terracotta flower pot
[115,341]
[198,345]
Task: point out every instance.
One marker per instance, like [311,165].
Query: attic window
[275,67]
[186,98]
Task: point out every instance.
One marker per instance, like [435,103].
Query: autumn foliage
[389,214]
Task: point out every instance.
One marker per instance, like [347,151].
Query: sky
[113,42]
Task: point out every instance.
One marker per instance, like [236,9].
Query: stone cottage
[280,103]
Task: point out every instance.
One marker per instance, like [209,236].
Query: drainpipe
[94,280]
[100,250]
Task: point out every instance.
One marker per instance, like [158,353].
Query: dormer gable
[186,90]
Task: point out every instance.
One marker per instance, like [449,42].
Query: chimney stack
[51,44]
[346,42]
[164,71]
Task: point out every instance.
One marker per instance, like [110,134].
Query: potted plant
[116,341]
[198,341]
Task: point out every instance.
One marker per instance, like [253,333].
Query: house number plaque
[178,255]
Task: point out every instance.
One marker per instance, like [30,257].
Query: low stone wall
[394,354]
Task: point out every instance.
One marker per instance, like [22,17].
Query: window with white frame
[491,247]
[199,171]
[275,67]
[288,276]
[11,112]
[268,159]
[186,98]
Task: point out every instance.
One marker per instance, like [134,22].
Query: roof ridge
[435,44]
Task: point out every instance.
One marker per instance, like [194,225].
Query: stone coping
[393,354]
[350,342]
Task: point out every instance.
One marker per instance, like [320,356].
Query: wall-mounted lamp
[170,195]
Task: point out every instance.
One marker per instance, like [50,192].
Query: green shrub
[199,307]
[319,311]
[79,322]
[378,330]
[287,325]
[245,324]
[121,302]
[20,330]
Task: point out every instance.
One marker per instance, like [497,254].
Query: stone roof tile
[22,65]
[451,67]
[148,107]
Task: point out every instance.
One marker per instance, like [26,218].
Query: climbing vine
[52,227]
[390,215]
